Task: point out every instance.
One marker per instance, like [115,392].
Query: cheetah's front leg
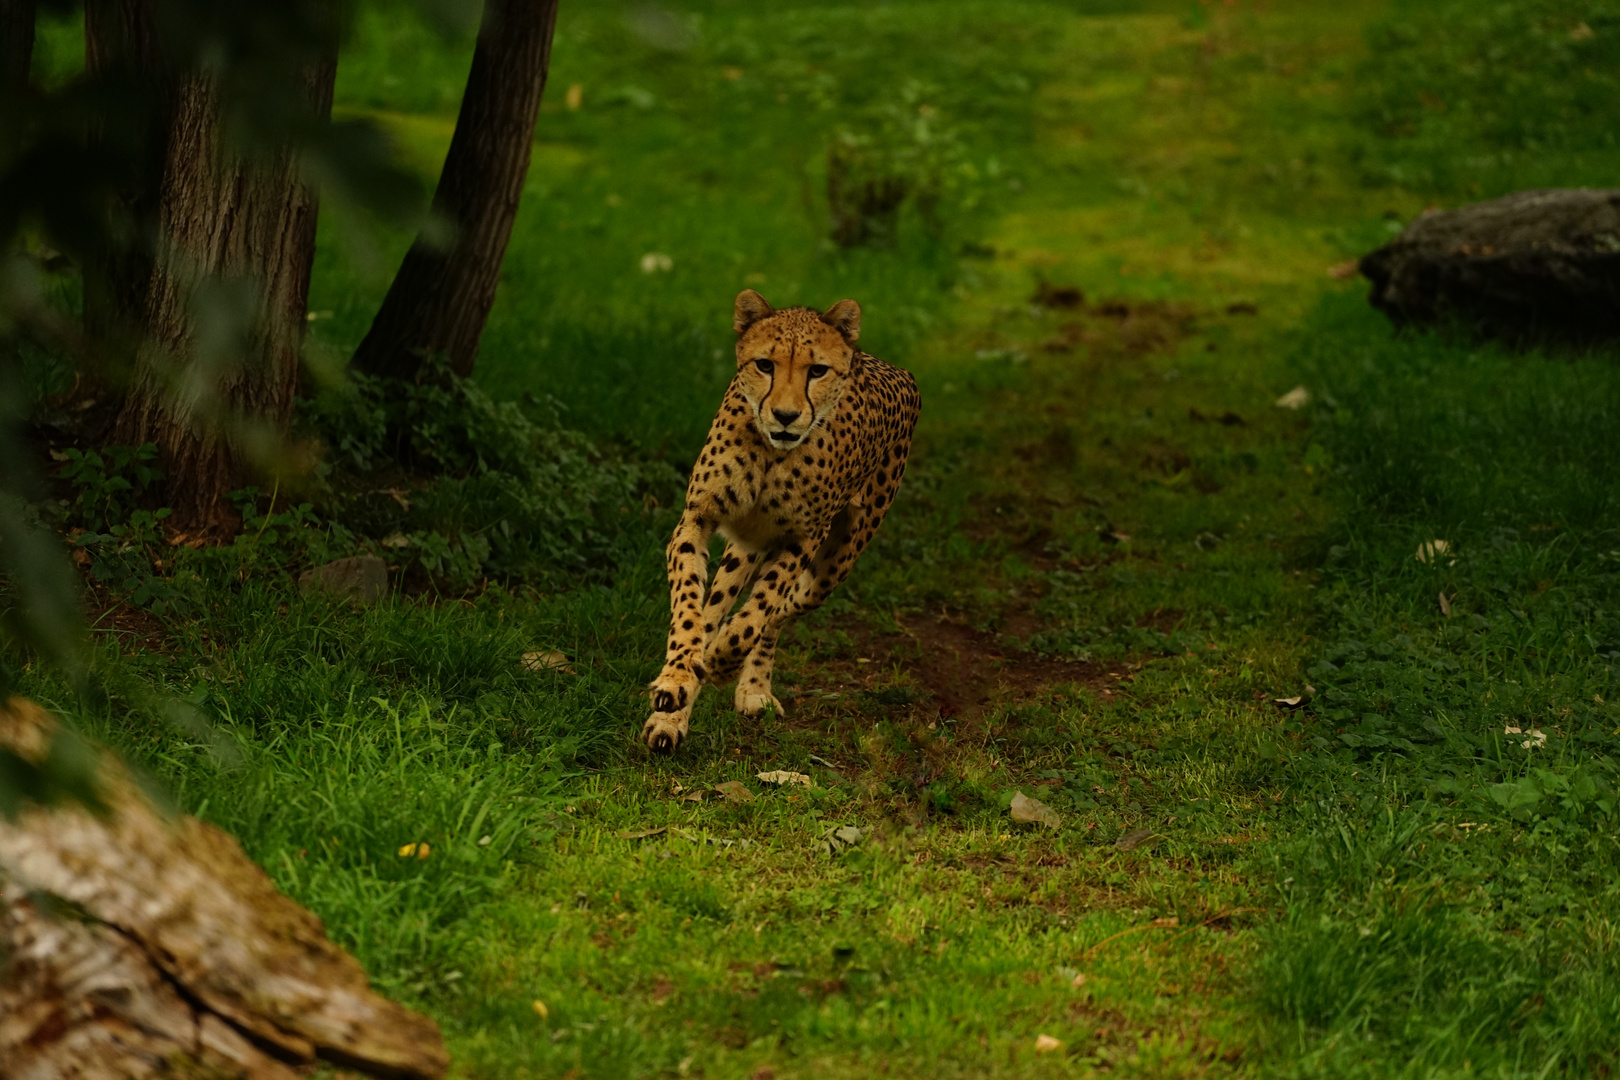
[754,694]
[817,577]
[746,643]
[675,690]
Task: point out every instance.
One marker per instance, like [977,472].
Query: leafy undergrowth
[1112,555]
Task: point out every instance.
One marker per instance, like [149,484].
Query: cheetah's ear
[751,307]
[845,317]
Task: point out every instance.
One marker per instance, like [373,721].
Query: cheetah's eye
[818,370]
[765,366]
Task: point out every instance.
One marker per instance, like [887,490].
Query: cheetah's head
[793,364]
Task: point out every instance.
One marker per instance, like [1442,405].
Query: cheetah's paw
[753,702]
[664,732]
[673,694]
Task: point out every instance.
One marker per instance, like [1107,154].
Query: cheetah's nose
[784,417]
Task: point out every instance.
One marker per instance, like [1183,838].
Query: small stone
[362,577]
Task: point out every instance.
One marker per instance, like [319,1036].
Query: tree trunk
[441,297]
[120,46]
[16,44]
[224,316]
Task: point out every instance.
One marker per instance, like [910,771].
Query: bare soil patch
[954,671]
[966,670]
[135,628]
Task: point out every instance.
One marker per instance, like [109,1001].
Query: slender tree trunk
[16,44]
[224,317]
[442,295]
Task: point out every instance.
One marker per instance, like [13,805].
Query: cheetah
[801,465]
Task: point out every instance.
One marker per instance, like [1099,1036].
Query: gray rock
[362,577]
[1535,265]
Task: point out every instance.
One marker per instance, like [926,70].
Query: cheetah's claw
[754,703]
[663,733]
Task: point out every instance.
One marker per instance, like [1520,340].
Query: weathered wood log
[1535,265]
[132,945]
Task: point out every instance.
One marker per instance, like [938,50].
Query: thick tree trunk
[224,315]
[441,297]
[16,44]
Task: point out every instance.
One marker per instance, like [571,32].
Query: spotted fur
[801,465]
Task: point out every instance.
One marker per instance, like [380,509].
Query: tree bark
[121,48]
[16,44]
[136,946]
[223,320]
[441,297]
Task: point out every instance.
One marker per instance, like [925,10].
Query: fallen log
[1532,266]
[135,945]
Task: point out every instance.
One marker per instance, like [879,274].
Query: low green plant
[108,484]
[477,488]
[902,153]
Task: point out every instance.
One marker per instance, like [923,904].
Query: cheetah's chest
[796,494]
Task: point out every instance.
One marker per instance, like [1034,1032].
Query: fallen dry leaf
[715,840]
[734,791]
[1045,1044]
[1445,605]
[1431,550]
[839,838]
[545,660]
[1297,700]
[1344,270]
[1033,811]
[642,834]
[1297,398]
[783,777]
[696,796]
[1133,839]
[1079,980]
[1537,736]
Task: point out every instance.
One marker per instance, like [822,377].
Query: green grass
[1109,531]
